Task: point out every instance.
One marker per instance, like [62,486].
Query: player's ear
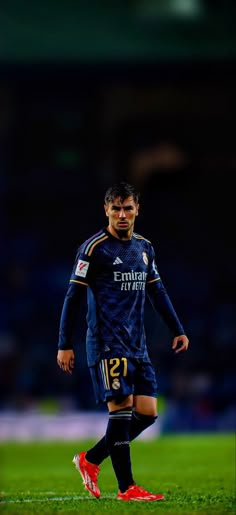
[106,208]
[137,210]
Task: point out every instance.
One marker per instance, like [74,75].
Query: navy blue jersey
[116,273]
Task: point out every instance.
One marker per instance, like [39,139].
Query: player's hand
[180,343]
[66,360]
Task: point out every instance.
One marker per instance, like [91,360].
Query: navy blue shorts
[116,378]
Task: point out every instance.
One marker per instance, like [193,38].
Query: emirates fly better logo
[82,268]
[132,280]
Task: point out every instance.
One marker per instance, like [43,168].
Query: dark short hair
[121,190]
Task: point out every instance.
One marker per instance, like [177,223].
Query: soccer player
[117,267]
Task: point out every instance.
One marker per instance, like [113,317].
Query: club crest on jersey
[145,258]
[82,268]
[115,384]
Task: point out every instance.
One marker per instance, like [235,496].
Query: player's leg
[126,423]
[118,429]
[118,440]
[116,375]
[144,414]
[139,377]
[144,411]
[112,384]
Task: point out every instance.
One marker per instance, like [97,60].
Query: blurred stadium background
[90,93]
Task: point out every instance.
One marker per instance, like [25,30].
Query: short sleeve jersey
[116,273]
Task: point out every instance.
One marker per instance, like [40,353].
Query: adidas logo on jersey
[117,261]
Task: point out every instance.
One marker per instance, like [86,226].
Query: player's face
[121,217]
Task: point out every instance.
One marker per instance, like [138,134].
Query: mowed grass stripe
[50,499]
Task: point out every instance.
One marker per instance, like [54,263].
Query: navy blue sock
[139,422]
[117,443]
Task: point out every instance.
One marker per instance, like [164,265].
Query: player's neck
[120,235]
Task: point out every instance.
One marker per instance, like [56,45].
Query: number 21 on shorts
[112,369]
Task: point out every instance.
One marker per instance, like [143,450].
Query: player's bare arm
[66,360]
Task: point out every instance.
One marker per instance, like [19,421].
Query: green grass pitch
[195,473]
